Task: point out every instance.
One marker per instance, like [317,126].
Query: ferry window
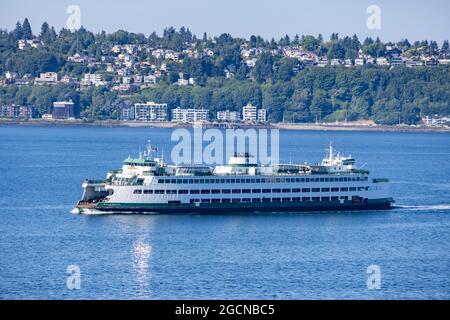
[215,200]
[252,180]
[345,179]
[296,199]
[286,199]
[277,180]
[315,189]
[160,181]
[182,191]
[334,198]
[256,191]
[322,179]
[325,189]
[276,190]
[236,191]
[306,179]
[247,180]
[159,191]
[302,179]
[226,191]
[194,191]
[297,179]
[265,199]
[366,188]
[266,190]
[325,198]
[344,198]
[306,199]
[317,180]
[225,200]
[306,190]
[236,200]
[206,200]
[352,189]
[360,188]
[227,180]
[201,181]
[296,190]
[238,180]
[327,179]
[137,191]
[215,191]
[256,200]
[171,191]
[191,181]
[246,200]
[205,191]
[315,198]
[258,180]
[174,181]
[286,190]
[222,180]
[246,191]
[334,189]
[148,191]
[276,199]
[341,179]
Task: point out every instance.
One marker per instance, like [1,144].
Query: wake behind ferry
[147,184]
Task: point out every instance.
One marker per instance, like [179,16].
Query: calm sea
[272,256]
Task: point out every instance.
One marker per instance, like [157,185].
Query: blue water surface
[270,256]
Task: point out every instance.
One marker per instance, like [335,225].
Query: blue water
[274,256]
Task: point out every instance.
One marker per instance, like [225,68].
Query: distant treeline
[324,94]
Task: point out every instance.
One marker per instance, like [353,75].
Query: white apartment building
[249,113]
[150,112]
[262,115]
[190,115]
[227,115]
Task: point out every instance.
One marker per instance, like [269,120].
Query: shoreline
[281,126]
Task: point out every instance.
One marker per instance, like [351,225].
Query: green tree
[26,30]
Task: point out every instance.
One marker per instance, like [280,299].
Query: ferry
[146,184]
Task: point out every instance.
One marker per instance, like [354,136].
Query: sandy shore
[281,126]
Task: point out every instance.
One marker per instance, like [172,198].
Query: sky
[411,19]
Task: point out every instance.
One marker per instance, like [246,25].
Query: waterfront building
[249,113]
[150,112]
[190,115]
[227,115]
[63,110]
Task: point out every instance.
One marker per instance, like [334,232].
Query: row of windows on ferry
[261,180]
[247,191]
[254,200]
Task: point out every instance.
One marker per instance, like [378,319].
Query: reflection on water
[141,258]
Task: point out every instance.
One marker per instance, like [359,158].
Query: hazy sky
[412,19]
